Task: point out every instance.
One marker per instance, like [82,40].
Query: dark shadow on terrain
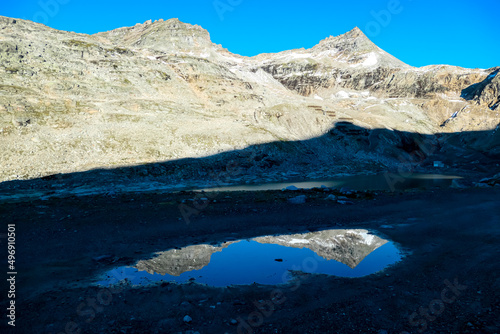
[346,148]
[475,90]
[68,241]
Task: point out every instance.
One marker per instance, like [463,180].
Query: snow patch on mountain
[370,60]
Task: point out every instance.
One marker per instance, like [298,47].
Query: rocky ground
[446,283]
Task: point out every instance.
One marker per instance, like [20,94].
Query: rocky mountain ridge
[175,262]
[349,247]
[162,91]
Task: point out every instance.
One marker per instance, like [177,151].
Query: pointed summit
[352,41]
[354,47]
[354,33]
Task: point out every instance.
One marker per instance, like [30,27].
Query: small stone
[346,191]
[297,200]
[187,319]
[331,198]
[234,322]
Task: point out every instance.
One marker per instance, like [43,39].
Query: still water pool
[381,182]
[271,260]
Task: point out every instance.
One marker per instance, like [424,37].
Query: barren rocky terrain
[162,91]
[446,235]
[107,140]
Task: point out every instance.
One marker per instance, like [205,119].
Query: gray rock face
[486,92]
[349,61]
[162,91]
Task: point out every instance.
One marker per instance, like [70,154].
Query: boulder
[346,191]
[491,181]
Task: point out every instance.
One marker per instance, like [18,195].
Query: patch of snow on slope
[261,77]
[289,56]
[341,95]
[229,58]
[299,241]
[368,238]
[326,53]
[299,55]
[371,60]
[318,97]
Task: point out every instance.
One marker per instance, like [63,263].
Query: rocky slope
[174,262]
[349,247]
[162,91]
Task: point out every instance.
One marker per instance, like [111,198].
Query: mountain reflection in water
[265,260]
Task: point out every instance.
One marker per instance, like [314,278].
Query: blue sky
[419,32]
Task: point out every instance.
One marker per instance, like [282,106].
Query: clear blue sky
[419,32]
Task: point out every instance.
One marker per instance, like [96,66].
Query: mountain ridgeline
[162,91]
